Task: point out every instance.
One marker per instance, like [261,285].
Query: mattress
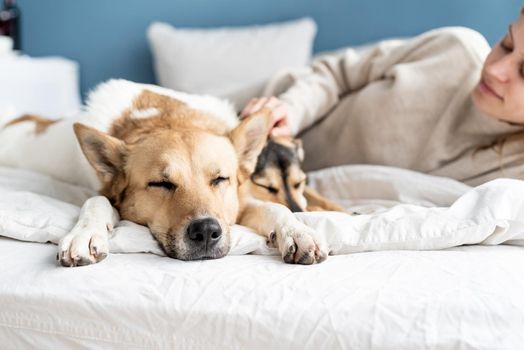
[467,297]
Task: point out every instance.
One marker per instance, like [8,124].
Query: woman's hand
[279,122]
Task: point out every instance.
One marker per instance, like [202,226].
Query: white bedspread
[466,297]
[34,207]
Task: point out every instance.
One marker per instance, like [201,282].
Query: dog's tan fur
[317,202]
[279,178]
[179,146]
[172,168]
[41,123]
[270,187]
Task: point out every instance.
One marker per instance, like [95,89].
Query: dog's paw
[83,246]
[299,244]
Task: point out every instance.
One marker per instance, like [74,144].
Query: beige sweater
[402,103]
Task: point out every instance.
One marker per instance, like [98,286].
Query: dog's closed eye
[297,185]
[163,184]
[272,190]
[218,180]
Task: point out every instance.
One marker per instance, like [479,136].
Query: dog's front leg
[87,243]
[297,242]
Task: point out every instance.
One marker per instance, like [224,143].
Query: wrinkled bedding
[399,209]
[463,297]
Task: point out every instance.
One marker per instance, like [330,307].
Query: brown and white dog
[180,164]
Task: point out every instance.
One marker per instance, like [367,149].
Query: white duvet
[467,297]
[399,209]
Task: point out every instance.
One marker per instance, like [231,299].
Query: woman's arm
[315,92]
[307,94]
[310,95]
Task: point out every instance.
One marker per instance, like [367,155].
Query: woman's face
[500,92]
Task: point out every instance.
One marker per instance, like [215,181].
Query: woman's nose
[500,69]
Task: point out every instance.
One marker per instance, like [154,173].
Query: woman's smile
[488,90]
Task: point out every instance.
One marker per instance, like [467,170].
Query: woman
[440,103]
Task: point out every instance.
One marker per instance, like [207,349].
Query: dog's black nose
[204,230]
[294,207]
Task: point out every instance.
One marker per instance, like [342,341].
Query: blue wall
[107,37]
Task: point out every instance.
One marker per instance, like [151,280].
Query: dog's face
[182,184]
[278,176]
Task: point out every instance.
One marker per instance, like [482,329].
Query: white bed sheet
[467,297]
[462,298]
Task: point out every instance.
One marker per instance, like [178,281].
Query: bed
[460,297]
[429,263]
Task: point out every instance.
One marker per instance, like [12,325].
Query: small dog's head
[278,176]
[181,181]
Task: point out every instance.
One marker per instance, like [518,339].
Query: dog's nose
[204,230]
[294,207]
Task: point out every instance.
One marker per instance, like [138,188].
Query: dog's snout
[204,230]
[293,206]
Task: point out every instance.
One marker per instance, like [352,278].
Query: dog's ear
[105,153]
[248,138]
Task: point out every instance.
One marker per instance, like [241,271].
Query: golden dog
[167,160]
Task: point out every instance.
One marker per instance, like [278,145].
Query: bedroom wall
[107,37]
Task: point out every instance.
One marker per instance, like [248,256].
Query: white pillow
[233,63]
[46,86]
[7,112]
